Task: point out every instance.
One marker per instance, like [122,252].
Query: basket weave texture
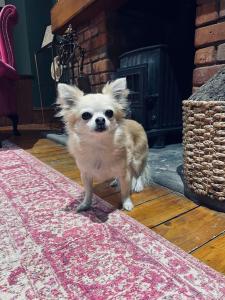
[204,147]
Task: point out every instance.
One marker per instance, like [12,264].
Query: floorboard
[193,229]
[212,253]
[161,209]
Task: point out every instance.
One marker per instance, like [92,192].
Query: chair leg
[15,119]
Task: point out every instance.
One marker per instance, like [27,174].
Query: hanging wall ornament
[56,69]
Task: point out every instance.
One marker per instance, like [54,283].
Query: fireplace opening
[165,29]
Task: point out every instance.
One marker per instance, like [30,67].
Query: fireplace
[155,100]
[150,42]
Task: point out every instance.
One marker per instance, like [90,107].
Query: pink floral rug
[50,252]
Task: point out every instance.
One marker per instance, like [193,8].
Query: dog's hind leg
[137,184]
[86,203]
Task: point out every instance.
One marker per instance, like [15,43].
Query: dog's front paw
[127,204]
[83,207]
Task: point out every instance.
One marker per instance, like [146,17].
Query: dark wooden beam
[65,10]
[76,12]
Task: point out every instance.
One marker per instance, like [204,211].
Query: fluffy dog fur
[104,144]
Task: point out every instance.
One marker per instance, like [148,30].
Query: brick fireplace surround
[209,40]
[97,37]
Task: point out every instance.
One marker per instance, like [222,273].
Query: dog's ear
[118,90]
[67,95]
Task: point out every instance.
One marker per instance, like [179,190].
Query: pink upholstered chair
[8,74]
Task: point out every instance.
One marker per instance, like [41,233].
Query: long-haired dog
[104,144]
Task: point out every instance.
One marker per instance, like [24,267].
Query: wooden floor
[195,229]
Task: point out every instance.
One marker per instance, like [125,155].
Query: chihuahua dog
[103,142]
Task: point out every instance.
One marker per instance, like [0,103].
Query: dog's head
[95,113]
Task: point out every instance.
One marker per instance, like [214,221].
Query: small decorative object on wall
[56,69]
[65,57]
[48,36]
[69,60]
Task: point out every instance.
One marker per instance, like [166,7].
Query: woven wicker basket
[204,148]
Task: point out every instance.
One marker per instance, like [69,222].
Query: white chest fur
[98,156]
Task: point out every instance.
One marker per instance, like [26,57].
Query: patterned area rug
[47,251]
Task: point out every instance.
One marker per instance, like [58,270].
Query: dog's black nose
[100,121]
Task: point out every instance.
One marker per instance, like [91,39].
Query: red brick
[222,8]
[221,53]
[201,75]
[87,69]
[94,79]
[98,28]
[94,30]
[103,65]
[99,41]
[205,56]
[100,78]
[87,34]
[87,59]
[98,54]
[83,28]
[104,77]
[99,88]
[210,34]
[206,12]
[93,89]
[86,45]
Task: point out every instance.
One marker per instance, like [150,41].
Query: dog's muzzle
[100,124]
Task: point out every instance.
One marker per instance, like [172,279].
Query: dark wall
[34,16]
[38,18]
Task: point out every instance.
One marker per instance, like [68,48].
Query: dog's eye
[86,116]
[109,113]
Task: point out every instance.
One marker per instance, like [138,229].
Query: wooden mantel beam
[77,11]
[65,10]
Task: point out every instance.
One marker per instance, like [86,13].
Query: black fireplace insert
[154,97]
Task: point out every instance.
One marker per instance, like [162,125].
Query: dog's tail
[146,177]
[144,180]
